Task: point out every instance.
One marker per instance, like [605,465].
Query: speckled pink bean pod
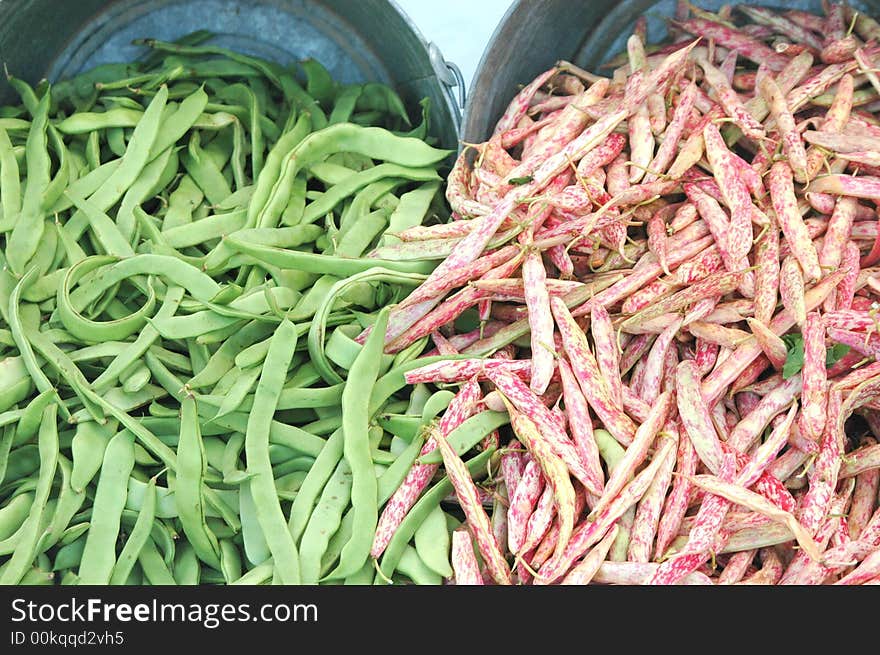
[657,239]
[695,416]
[513,461]
[734,39]
[587,568]
[581,427]
[703,265]
[654,365]
[637,347]
[767,275]
[587,371]
[702,536]
[735,192]
[465,369]
[865,572]
[737,567]
[647,295]
[801,569]
[410,311]
[529,404]
[521,505]
[751,500]
[589,533]
[864,498]
[791,289]
[717,284]
[476,516]
[635,453]
[550,541]
[772,345]
[648,271]
[674,131]
[824,474]
[719,225]
[540,320]
[457,185]
[814,396]
[846,289]
[705,356]
[647,518]
[677,502]
[539,522]
[730,101]
[462,407]
[793,227]
[838,234]
[835,120]
[518,107]
[466,570]
[607,354]
[817,84]
[751,426]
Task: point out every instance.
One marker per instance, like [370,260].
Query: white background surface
[460,28]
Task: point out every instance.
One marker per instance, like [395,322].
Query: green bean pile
[182,398]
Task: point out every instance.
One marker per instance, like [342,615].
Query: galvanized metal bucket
[357,40]
[536,33]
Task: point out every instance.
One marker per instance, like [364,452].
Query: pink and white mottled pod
[740,496]
[864,498]
[846,289]
[522,503]
[587,371]
[695,416]
[526,402]
[477,519]
[583,573]
[717,284]
[540,321]
[540,521]
[465,369]
[735,192]
[705,356]
[589,533]
[772,345]
[513,462]
[835,120]
[703,265]
[581,427]
[466,570]
[554,470]
[789,217]
[641,143]
[817,84]
[725,337]
[654,364]
[674,131]
[462,407]
[750,428]
[636,452]
[824,474]
[791,289]
[518,107]
[648,512]
[734,39]
[679,251]
[782,25]
[814,397]
[677,502]
[730,101]
[607,353]
[702,536]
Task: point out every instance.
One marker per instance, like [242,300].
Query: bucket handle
[450,77]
